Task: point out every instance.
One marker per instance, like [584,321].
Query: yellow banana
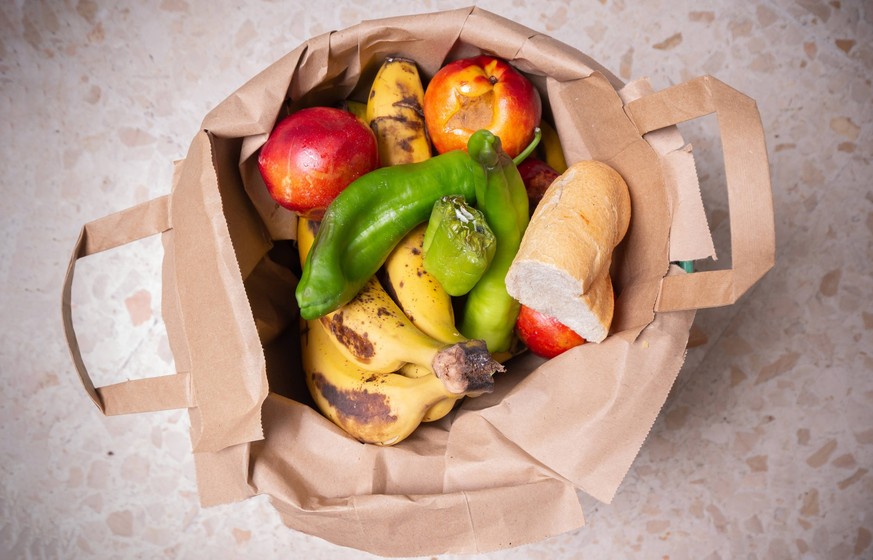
[417,292]
[394,112]
[553,153]
[372,331]
[438,409]
[375,334]
[357,108]
[413,370]
[379,408]
[306,230]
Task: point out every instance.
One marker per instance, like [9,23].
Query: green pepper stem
[538,133]
[483,147]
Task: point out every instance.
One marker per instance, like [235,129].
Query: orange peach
[481,92]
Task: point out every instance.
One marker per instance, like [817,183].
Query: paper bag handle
[747,172]
[138,395]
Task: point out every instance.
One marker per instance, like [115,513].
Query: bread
[562,266]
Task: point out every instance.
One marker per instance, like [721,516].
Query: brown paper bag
[503,469]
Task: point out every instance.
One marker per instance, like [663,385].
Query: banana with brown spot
[395,113]
[417,292]
[378,408]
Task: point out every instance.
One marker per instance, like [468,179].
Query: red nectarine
[312,155]
[537,176]
[544,335]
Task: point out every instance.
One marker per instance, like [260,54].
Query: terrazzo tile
[764,448]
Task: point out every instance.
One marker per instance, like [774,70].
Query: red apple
[312,155]
[544,335]
[481,92]
[537,176]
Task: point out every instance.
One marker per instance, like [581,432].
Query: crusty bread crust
[562,266]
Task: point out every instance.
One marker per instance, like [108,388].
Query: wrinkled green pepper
[490,312]
[458,245]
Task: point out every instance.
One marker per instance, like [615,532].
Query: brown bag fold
[228,367]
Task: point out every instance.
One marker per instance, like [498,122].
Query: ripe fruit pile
[376,186]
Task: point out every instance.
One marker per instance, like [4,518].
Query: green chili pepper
[458,245]
[367,220]
[490,312]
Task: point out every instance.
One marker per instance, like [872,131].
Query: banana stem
[466,368]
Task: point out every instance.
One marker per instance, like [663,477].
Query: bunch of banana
[372,371]
[379,408]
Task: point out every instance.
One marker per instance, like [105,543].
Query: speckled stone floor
[764,448]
